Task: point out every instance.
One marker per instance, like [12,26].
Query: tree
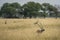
[53,9]
[3,8]
[5,5]
[0,13]
[56,11]
[50,8]
[10,10]
[45,9]
[31,8]
[15,5]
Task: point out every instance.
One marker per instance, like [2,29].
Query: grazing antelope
[41,27]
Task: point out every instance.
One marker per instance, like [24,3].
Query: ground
[25,29]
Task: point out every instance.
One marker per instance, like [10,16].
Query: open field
[25,29]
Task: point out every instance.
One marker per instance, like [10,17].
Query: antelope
[41,27]
[5,22]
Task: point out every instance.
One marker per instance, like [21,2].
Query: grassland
[25,29]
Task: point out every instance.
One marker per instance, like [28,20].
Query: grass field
[25,29]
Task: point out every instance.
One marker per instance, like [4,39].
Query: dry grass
[24,29]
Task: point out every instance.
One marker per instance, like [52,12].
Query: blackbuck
[41,27]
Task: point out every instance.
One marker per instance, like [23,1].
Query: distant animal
[5,22]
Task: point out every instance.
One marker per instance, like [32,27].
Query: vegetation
[30,9]
[24,29]
[10,10]
[29,29]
